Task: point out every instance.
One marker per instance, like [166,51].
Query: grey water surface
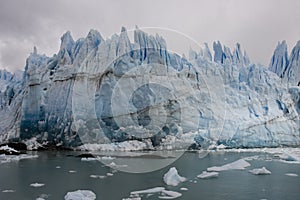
[233,184]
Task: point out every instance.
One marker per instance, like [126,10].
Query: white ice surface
[206,174]
[260,171]
[15,158]
[37,184]
[80,195]
[164,194]
[239,164]
[291,174]
[173,178]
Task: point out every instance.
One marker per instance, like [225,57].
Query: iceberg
[205,175]
[236,165]
[173,178]
[165,194]
[80,195]
[37,184]
[291,174]
[260,171]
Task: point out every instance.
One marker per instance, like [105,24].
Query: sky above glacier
[257,24]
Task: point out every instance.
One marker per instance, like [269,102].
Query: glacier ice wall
[97,90]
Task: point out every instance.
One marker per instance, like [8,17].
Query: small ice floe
[172,177]
[58,167]
[106,158]
[15,158]
[221,146]
[291,174]
[167,194]
[164,194]
[250,158]
[8,191]
[8,149]
[72,171]
[114,165]
[184,189]
[260,171]
[89,159]
[80,195]
[97,176]
[239,165]
[109,174]
[205,175]
[37,184]
[148,191]
[42,197]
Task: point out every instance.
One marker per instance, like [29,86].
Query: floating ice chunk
[239,164]
[170,194]
[221,146]
[8,191]
[57,167]
[114,165]
[72,171]
[97,176]
[106,158]
[89,159]
[151,190]
[109,174]
[206,174]
[37,184]
[165,194]
[172,177]
[294,154]
[9,149]
[42,197]
[260,171]
[184,189]
[14,158]
[80,195]
[291,174]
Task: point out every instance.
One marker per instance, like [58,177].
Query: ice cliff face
[284,66]
[97,90]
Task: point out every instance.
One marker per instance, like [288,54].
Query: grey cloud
[256,24]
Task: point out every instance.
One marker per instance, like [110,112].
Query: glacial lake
[62,172]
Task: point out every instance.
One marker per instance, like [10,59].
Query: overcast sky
[257,24]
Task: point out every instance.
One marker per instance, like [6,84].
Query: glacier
[114,90]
